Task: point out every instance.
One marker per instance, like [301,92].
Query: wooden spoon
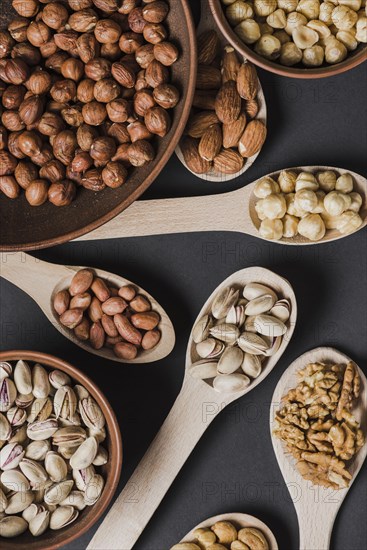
[316,506]
[239,521]
[233,211]
[194,409]
[206,23]
[42,280]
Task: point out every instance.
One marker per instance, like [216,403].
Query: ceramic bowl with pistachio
[54,452]
[244,327]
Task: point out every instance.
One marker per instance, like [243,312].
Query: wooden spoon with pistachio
[43,280]
[236,211]
[194,409]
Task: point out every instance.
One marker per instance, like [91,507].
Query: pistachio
[209,348]
[254,290]
[5,428]
[16,416]
[201,329]
[31,511]
[261,304]
[59,378]
[19,502]
[230,383]
[58,491]
[203,369]
[12,526]
[225,332]
[236,315]
[55,466]
[63,516]
[24,400]
[19,435]
[185,546]
[15,481]
[75,499]
[39,523]
[281,310]
[83,477]
[251,365]
[5,369]
[85,454]
[101,457]
[8,394]
[37,450]
[23,377]
[252,343]
[224,301]
[33,471]
[10,456]
[42,430]
[268,325]
[65,402]
[40,382]
[230,360]
[3,501]
[93,489]
[91,413]
[70,436]
[41,409]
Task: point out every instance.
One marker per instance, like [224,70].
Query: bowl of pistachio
[296,38]
[61,451]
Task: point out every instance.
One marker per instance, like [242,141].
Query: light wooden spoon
[42,280]
[194,409]
[239,521]
[206,23]
[316,506]
[233,211]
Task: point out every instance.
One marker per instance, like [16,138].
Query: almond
[190,152]
[230,64]
[96,335]
[211,142]
[81,281]
[251,107]
[208,46]
[228,162]
[145,321]
[114,305]
[126,329]
[252,138]
[247,81]
[208,78]
[228,103]
[199,122]
[233,131]
[204,99]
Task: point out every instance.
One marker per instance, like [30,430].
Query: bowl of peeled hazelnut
[296,38]
[94,95]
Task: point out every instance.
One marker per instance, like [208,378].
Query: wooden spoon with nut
[207,23]
[194,409]
[42,280]
[239,521]
[233,211]
[316,506]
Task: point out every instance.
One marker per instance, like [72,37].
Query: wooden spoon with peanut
[233,211]
[316,506]
[43,280]
[194,409]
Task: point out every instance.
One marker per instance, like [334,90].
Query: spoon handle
[191,414]
[315,528]
[222,212]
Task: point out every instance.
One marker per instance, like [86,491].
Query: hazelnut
[72,69]
[83,20]
[30,143]
[118,110]
[55,106]
[73,176]
[17,71]
[55,15]
[123,74]
[145,55]
[27,53]
[6,44]
[31,109]
[136,20]
[12,121]
[81,162]
[26,8]
[127,6]
[155,12]
[106,90]
[102,150]
[50,124]
[154,33]
[53,171]
[94,113]
[108,6]
[166,95]
[73,115]
[107,31]
[137,130]
[37,192]
[166,53]
[39,82]
[111,51]
[119,132]
[55,61]
[88,47]
[85,136]
[62,193]
[3,138]
[92,180]
[156,74]
[25,172]
[143,101]
[13,145]
[141,81]
[3,77]
[121,154]
[130,42]
[63,91]
[18,29]
[9,186]
[48,48]
[13,97]
[64,146]
[78,5]
[8,163]
[67,41]
[140,152]
[38,33]
[98,68]
[44,156]
[114,174]
[157,121]
[85,90]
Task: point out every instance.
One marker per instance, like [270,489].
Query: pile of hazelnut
[84,89]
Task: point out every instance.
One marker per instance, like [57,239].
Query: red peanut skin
[126,330]
[81,281]
[125,350]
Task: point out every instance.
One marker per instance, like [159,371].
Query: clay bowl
[353,59]
[111,471]
[24,227]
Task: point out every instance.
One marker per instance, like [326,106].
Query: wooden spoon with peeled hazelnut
[233,211]
[194,409]
[316,506]
[229,163]
[44,281]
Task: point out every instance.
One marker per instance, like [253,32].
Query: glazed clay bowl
[111,471]
[353,59]
[24,227]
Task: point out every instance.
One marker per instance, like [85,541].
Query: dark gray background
[233,468]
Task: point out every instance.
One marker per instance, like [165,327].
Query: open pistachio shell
[230,360]
[268,325]
[11,455]
[39,523]
[57,492]
[254,290]
[85,454]
[33,471]
[201,329]
[8,394]
[63,516]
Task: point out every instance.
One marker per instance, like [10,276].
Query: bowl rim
[191,45]
[113,430]
[350,62]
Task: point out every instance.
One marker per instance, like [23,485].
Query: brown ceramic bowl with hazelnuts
[94,96]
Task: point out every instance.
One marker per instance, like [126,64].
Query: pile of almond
[222,131]
[106,316]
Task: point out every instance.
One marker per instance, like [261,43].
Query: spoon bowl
[194,409]
[233,211]
[42,280]
[239,521]
[316,506]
